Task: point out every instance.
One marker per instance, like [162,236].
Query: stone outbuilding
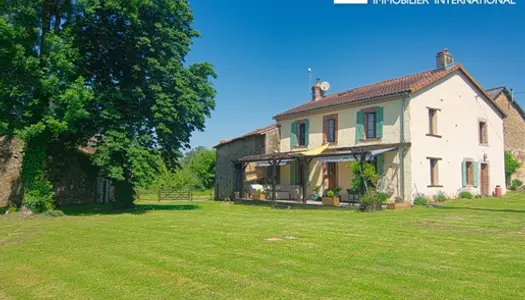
[74,178]
[513,126]
[229,170]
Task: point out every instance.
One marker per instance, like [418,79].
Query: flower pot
[316,197]
[401,205]
[259,196]
[333,201]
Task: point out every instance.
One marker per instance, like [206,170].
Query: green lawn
[472,249]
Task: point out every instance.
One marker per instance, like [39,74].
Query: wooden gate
[173,194]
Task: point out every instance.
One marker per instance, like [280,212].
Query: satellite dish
[325,86]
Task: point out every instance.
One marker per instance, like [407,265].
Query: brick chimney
[444,59]
[316,91]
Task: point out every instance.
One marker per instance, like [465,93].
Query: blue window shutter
[379,122]
[359,128]
[476,177]
[293,136]
[380,164]
[464,173]
[306,132]
[292,172]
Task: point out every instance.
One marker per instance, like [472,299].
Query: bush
[440,197]
[54,213]
[465,195]
[511,165]
[420,201]
[369,175]
[11,209]
[330,194]
[373,202]
[40,197]
[515,184]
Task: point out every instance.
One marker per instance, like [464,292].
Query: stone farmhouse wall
[513,131]
[225,172]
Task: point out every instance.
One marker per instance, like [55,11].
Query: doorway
[331,175]
[484,179]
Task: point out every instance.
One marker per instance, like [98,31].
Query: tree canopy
[113,71]
[197,170]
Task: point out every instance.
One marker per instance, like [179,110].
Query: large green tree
[110,69]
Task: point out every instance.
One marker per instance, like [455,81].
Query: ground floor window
[470,173]
[434,171]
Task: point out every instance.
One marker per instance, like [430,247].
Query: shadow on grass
[480,209]
[139,209]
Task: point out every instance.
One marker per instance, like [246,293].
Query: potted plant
[337,192]
[330,199]
[399,204]
[260,195]
[316,193]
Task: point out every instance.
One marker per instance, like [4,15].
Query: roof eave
[389,97]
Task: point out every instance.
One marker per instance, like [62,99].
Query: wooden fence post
[190,195]
[158,194]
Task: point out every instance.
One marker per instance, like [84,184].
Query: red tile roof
[397,86]
[251,133]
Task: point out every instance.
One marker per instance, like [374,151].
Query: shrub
[337,190]
[373,202]
[317,189]
[54,213]
[369,175]
[398,199]
[465,195]
[420,201]
[511,165]
[330,194]
[40,197]
[259,191]
[515,184]
[440,197]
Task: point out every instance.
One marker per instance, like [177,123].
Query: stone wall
[225,170]
[73,178]
[513,129]
[11,153]
[272,141]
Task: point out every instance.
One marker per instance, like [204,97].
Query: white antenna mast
[309,79]
[511,95]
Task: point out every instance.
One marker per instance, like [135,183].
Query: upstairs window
[301,134]
[482,133]
[370,125]
[330,129]
[432,121]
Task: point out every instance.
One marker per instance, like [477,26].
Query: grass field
[468,249]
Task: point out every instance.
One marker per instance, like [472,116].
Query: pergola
[324,153]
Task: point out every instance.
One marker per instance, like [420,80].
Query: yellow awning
[315,151]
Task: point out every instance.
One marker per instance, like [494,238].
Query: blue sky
[261,51]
